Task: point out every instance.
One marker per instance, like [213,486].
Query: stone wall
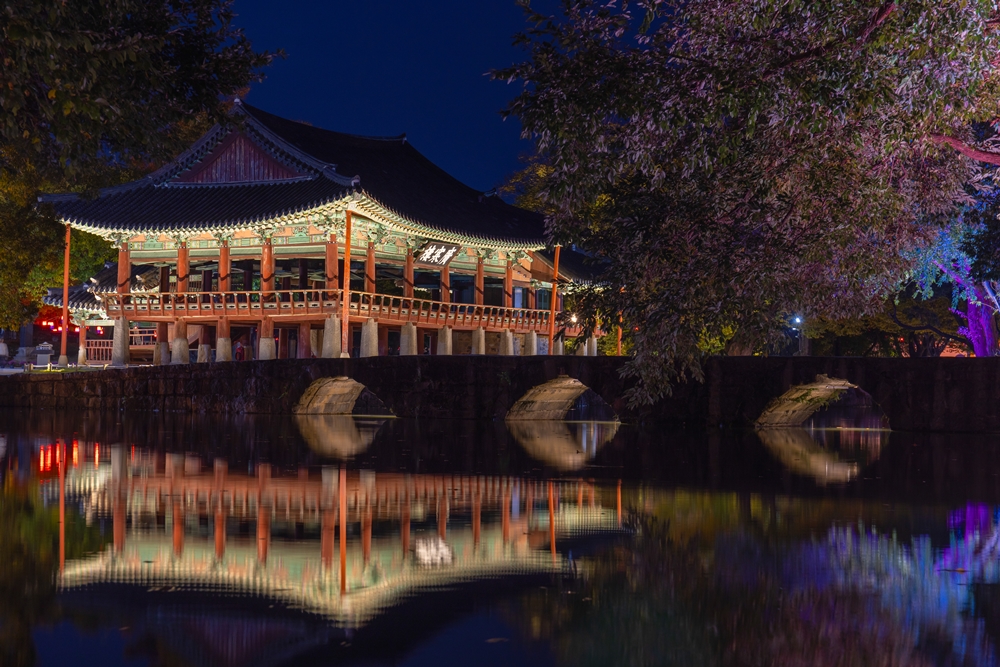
[961,395]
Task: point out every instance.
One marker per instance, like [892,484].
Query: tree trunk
[981,331]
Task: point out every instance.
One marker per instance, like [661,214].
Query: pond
[167,539]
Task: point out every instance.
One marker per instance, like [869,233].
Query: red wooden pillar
[63,358]
[282,343]
[408,273]
[183,267]
[267,265]
[446,283]
[303,349]
[345,318]
[555,294]
[370,269]
[330,264]
[508,285]
[225,267]
[480,281]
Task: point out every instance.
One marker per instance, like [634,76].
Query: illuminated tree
[738,161]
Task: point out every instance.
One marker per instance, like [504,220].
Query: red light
[76,453]
[76,330]
[48,458]
[97,454]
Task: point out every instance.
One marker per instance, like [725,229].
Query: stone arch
[340,396]
[562,399]
[800,402]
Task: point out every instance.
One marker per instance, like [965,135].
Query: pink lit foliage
[737,161]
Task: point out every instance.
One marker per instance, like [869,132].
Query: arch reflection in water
[564,445]
[340,437]
[800,453]
[489,527]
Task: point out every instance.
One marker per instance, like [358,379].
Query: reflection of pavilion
[347,578]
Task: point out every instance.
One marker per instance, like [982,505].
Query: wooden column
[370,269]
[552,306]
[83,336]
[207,278]
[303,273]
[328,532]
[408,273]
[446,283]
[508,285]
[267,266]
[404,520]
[183,267]
[302,348]
[480,281]
[330,263]
[263,532]
[225,267]
[124,265]
[345,318]
[282,343]
[63,358]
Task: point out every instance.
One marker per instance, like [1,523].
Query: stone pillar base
[479,341]
[64,360]
[81,356]
[331,338]
[530,348]
[315,342]
[582,348]
[180,351]
[507,343]
[592,346]
[164,349]
[557,346]
[369,338]
[266,349]
[444,341]
[223,349]
[4,352]
[119,344]
[204,353]
[408,340]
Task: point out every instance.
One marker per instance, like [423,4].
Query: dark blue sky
[384,67]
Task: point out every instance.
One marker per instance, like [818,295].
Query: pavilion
[248,235]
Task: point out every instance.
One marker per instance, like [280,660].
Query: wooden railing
[99,350]
[384,308]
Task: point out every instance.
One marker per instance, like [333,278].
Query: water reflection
[800,453]
[379,537]
[340,437]
[562,445]
[190,549]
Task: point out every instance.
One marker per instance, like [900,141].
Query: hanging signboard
[435,253]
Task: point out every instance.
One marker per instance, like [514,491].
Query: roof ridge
[251,110]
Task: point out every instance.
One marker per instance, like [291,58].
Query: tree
[95,92]
[738,161]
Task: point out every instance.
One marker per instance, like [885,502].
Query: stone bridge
[960,395]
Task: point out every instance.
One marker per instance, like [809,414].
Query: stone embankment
[960,395]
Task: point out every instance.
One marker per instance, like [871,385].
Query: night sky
[384,67]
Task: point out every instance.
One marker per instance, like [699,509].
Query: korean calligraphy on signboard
[435,253]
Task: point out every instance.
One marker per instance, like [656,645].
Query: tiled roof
[201,208]
[334,166]
[574,265]
[397,176]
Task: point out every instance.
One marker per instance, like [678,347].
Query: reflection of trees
[663,602]
[29,553]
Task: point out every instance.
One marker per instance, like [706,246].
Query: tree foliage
[737,161]
[94,93]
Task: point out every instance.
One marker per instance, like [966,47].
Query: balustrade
[384,308]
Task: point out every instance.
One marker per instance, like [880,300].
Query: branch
[863,37]
[927,327]
[965,149]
